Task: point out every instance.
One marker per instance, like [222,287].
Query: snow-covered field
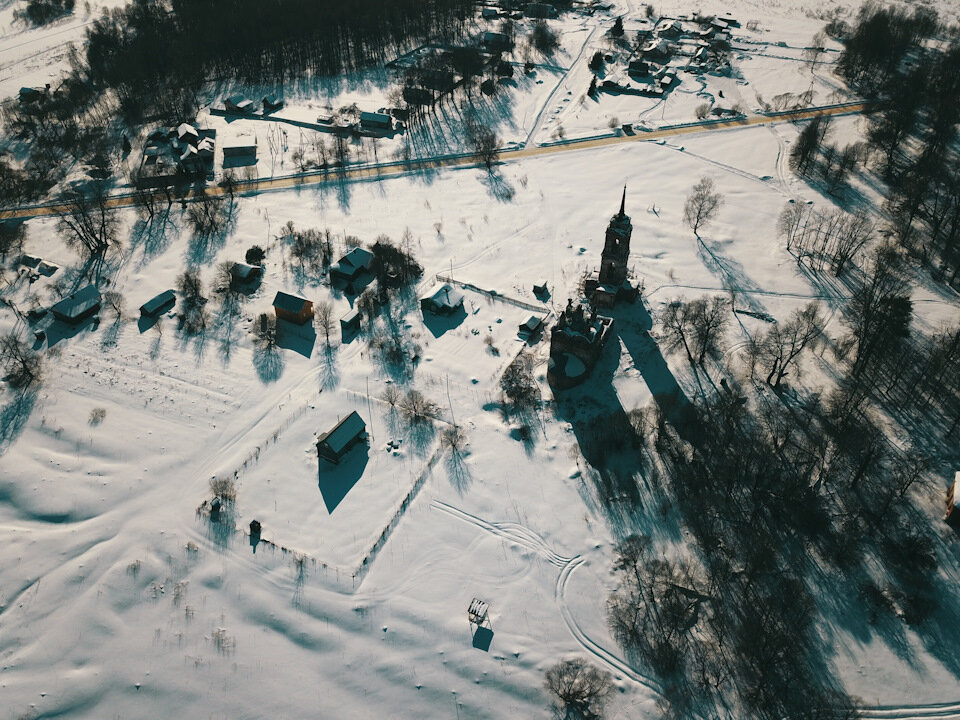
[118,599]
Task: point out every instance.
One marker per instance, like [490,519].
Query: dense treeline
[156,54]
[911,70]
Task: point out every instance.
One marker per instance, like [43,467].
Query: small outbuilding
[79,306]
[244,274]
[158,304]
[442,300]
[272,102]
[187,134]
[238,104]
[240,146]
[350,324]
[531,325]
[336,442]
[293,308]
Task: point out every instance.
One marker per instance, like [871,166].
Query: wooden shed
[336,442]
[158,304]
[292,308]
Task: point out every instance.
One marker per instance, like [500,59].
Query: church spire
[623,202]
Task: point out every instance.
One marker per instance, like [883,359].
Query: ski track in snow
[524,537]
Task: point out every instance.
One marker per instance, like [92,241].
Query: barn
[336,442]
[292,308]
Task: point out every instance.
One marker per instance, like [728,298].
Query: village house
[292,308]
[376,121]
[442,300]
[238,104]
[79,306]
[353,265]
[336,442]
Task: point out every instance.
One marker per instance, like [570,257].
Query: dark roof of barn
[80,302]
[343,433]
[154,304]
[291,303]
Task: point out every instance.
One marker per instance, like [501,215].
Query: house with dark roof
[158,304]
[79,306]
[238,104]
[442,300]
[293,308]
[351,266]
[531,325]
[336,442]
[242,274]
[272,102]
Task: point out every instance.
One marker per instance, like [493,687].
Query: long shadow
[58,330]
[335,481]
[152,235]
[268,362]
[633,328]
[607,441]
[299,338]
[14,416]
[440,324]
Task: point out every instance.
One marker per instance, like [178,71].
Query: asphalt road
[392,169]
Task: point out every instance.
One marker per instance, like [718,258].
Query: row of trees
[910,68]
[156,54]
[825,239]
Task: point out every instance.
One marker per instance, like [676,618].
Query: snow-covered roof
[444,296]
[353,262]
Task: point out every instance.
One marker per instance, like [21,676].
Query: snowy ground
[118,600]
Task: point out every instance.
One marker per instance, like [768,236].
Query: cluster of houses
[177,153]
[672,44]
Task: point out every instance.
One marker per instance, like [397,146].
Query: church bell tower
[616,247]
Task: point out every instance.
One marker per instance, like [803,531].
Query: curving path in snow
[524,537]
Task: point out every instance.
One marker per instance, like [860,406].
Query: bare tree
[12,234]
[209,214]
[709,318]
[323,319]
[417,407]
[580,689]
[880,310]
[816,50]
[780,346]
[193,317]
[265,332]
[88,223]
[484,143]
[116,302]
[698,326]
[702,205]
[518,384]
[22,367]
